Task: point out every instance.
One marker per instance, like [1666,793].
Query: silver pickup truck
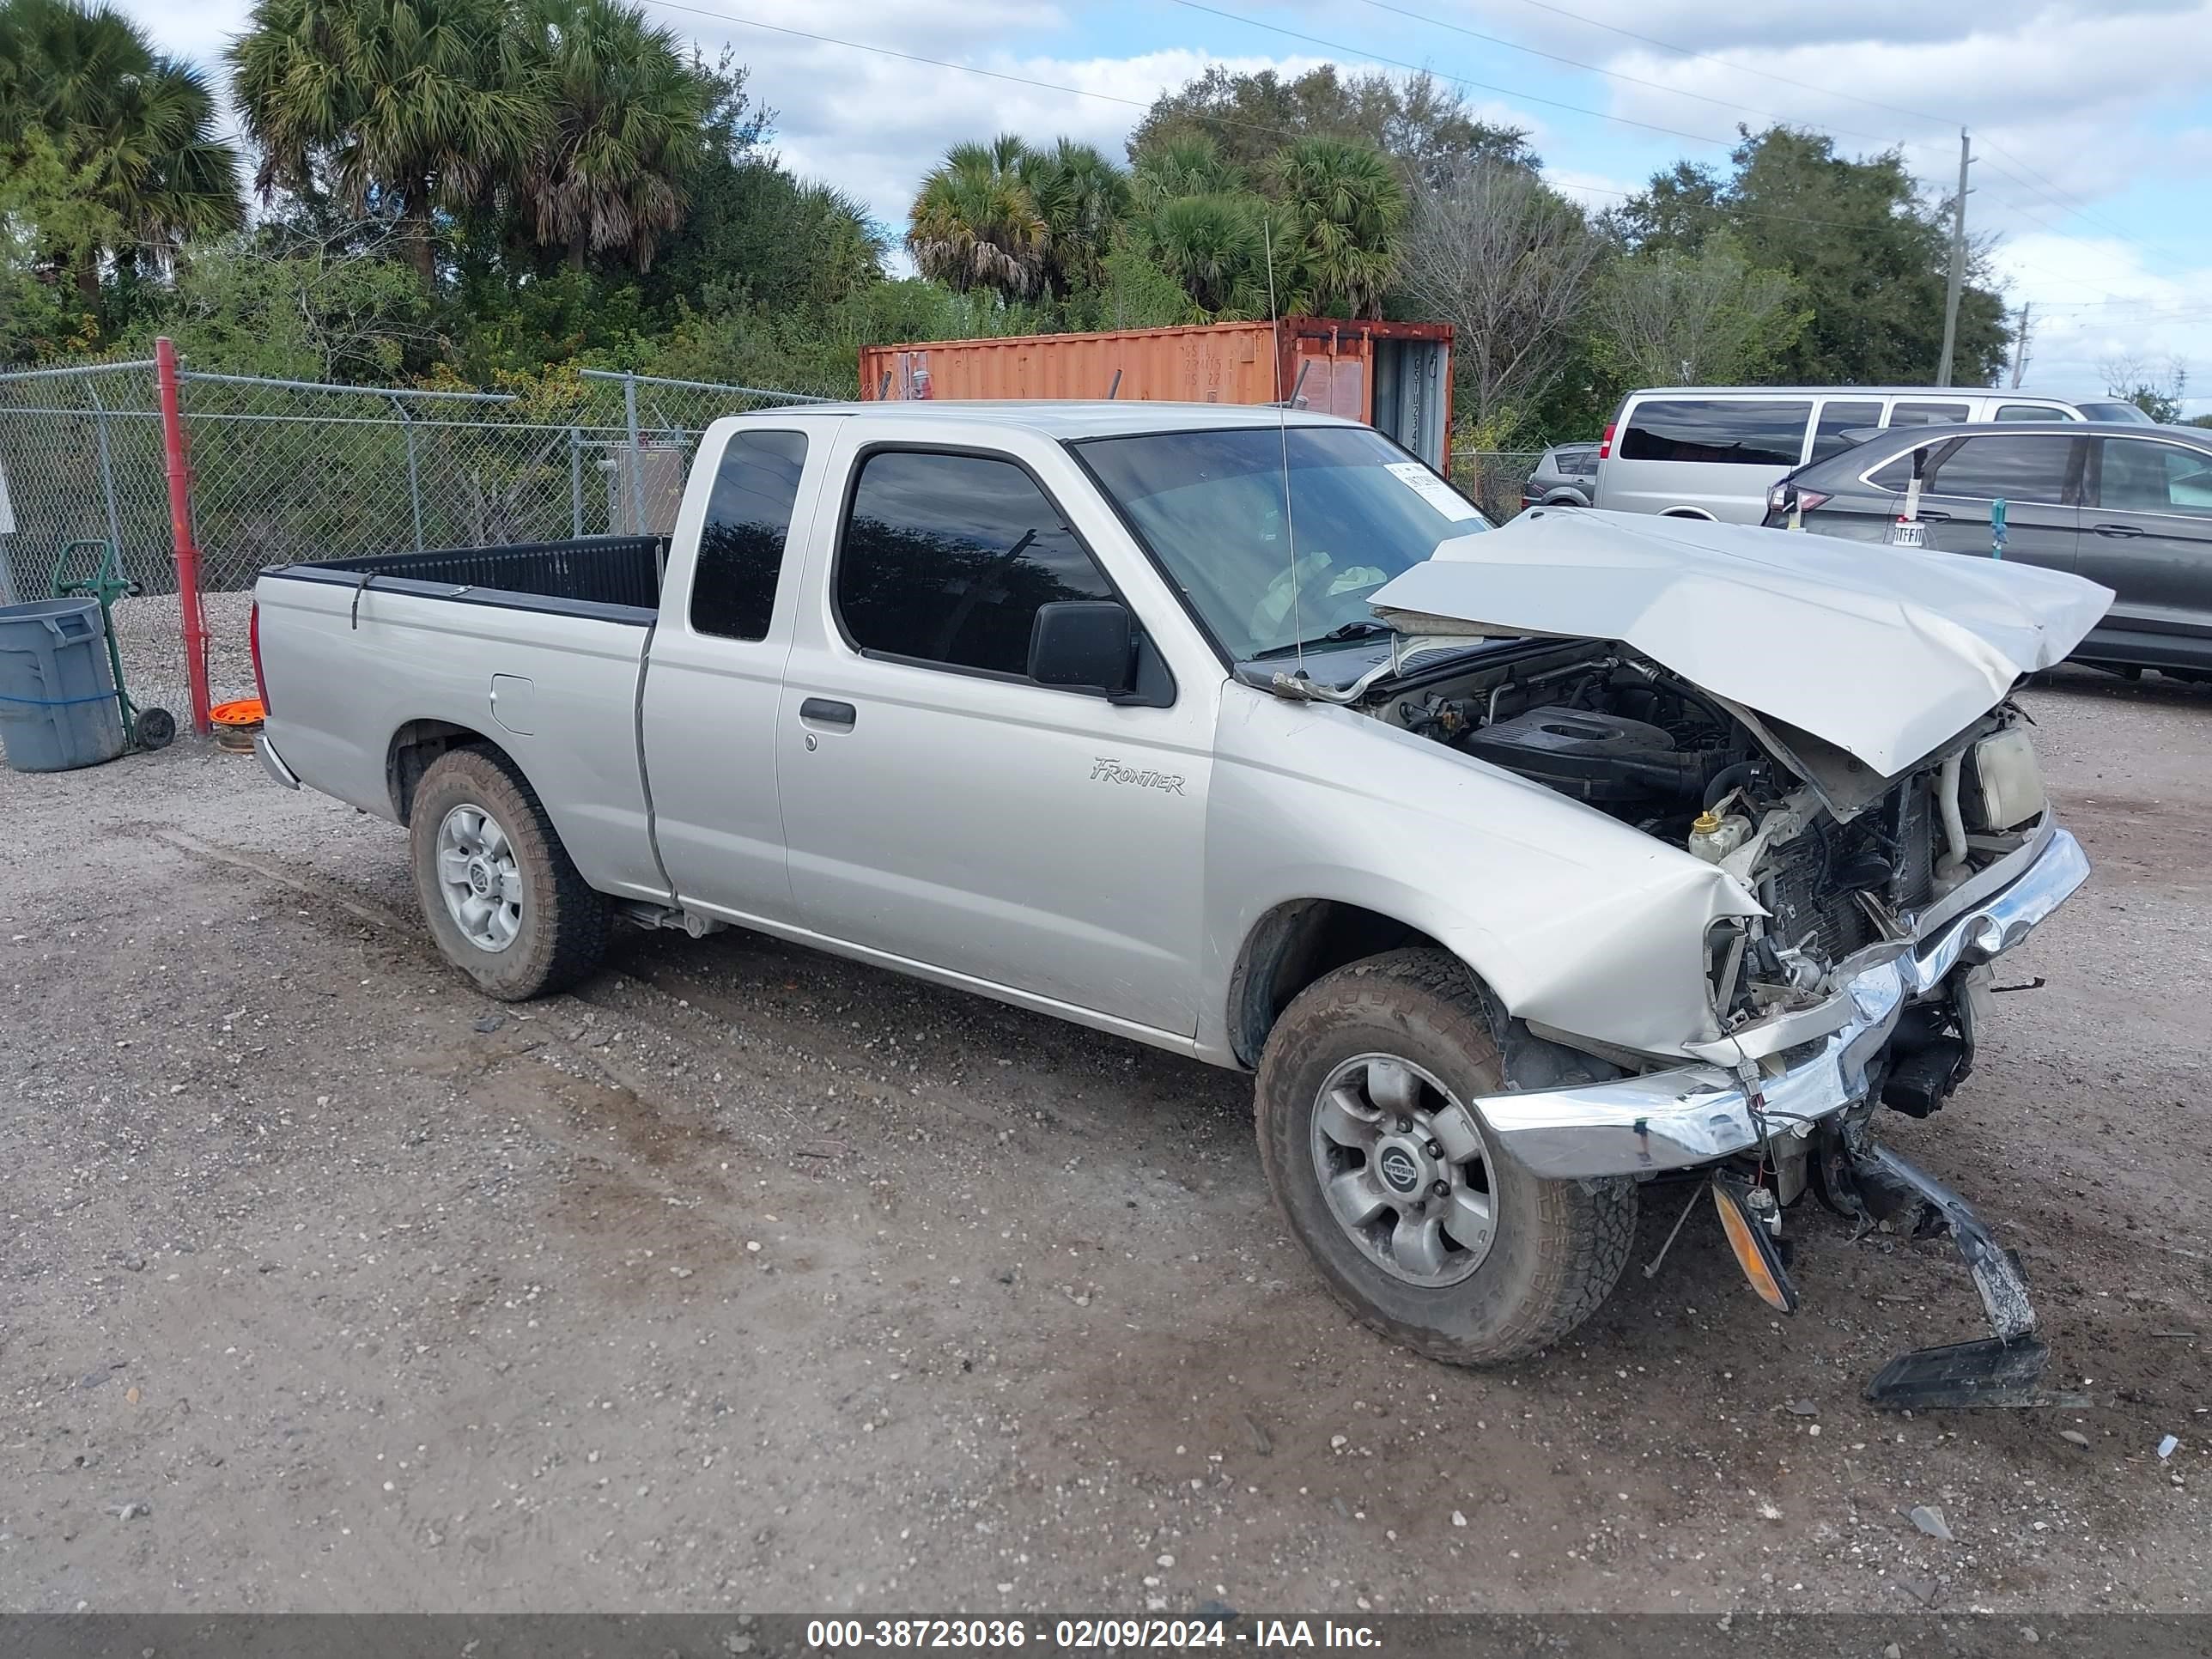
[1530,869]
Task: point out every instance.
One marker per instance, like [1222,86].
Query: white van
[1710,452]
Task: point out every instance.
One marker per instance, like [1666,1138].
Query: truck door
[714,680]
[941,808]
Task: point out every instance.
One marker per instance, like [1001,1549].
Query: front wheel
[502,897]
[1437,1240]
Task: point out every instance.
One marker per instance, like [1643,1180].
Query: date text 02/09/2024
[1079,1635]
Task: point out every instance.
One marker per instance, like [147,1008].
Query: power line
[1479,86]
[1599,68]
[2049,192]
[1011,78]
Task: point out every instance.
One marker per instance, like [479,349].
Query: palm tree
[627,130]
[1083,198]
[132,130]
[405,106]
[1186,164]
[1213,246]
[977,222]
[1347,210]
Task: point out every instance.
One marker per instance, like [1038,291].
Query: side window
[945,559]
[741,544]
[1897,475]
[1740,431]
[2007,468]
[2141,477]
[1929,413]
[1837,419]
[2030,412]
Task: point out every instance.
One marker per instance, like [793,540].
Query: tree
[1421,122]
[1214,248]
[1083,199]
[2157,393]
[132,130]
[977,222]
[404,108]
[1343,209]
[1667,318]
[1859,237]
[625,133]
[1509,261]
[334,307]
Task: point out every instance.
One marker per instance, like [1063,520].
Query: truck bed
[616,578]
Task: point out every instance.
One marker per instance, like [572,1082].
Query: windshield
[1209,506]
[2118,414]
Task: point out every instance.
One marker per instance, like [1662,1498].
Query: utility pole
[2019,343]
[1958,267]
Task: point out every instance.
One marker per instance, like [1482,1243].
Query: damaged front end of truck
[1834,740]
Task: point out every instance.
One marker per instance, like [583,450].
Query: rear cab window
[1717,431]
[742,540]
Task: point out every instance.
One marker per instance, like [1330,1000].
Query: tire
[1555,1247]
[555,925]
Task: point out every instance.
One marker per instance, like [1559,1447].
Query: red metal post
[178,457]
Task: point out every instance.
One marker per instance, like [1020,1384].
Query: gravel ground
[750,1278]
[150,639]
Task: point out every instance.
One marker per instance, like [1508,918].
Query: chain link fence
[1494,478]
[285,471]
[282,471]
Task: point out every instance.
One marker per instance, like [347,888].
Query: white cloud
[2106,307]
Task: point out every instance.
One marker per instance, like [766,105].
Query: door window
[2140,476]
[945,559]
[2030,412]
[742,542]
[1738,432]
[1927,414]
[2007,468]
[1837,419]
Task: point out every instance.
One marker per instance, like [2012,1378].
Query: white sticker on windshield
[1432,489]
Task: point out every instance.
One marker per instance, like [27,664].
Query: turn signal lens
[1754,1252]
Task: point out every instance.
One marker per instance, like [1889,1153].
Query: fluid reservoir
[1713,837]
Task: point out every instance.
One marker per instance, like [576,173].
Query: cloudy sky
[2092,119]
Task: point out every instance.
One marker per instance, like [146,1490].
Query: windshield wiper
[1365,628]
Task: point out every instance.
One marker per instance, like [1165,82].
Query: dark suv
[2129,507]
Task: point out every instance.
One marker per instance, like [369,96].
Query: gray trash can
[57,705]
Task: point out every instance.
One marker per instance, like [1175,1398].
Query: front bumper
[1678,1119]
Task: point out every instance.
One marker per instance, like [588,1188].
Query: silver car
[1523,867]
[1566,475]
[1712,452]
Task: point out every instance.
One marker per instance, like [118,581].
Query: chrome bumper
[273,763]
[1677,1119]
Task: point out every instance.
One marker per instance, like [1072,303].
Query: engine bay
[1597,723]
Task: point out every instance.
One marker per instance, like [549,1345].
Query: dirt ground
[750,1279]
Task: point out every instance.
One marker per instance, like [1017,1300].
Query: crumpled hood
[1884,653]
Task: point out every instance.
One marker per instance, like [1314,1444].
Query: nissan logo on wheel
[1400,1170]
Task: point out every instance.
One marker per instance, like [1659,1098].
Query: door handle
[824,711]
[1934,515]
[2121,531]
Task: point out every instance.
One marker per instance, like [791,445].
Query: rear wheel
[1431,1237]
[502,897]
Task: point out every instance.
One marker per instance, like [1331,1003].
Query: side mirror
[1084,644]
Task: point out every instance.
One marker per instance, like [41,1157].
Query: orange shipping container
[1395,376]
